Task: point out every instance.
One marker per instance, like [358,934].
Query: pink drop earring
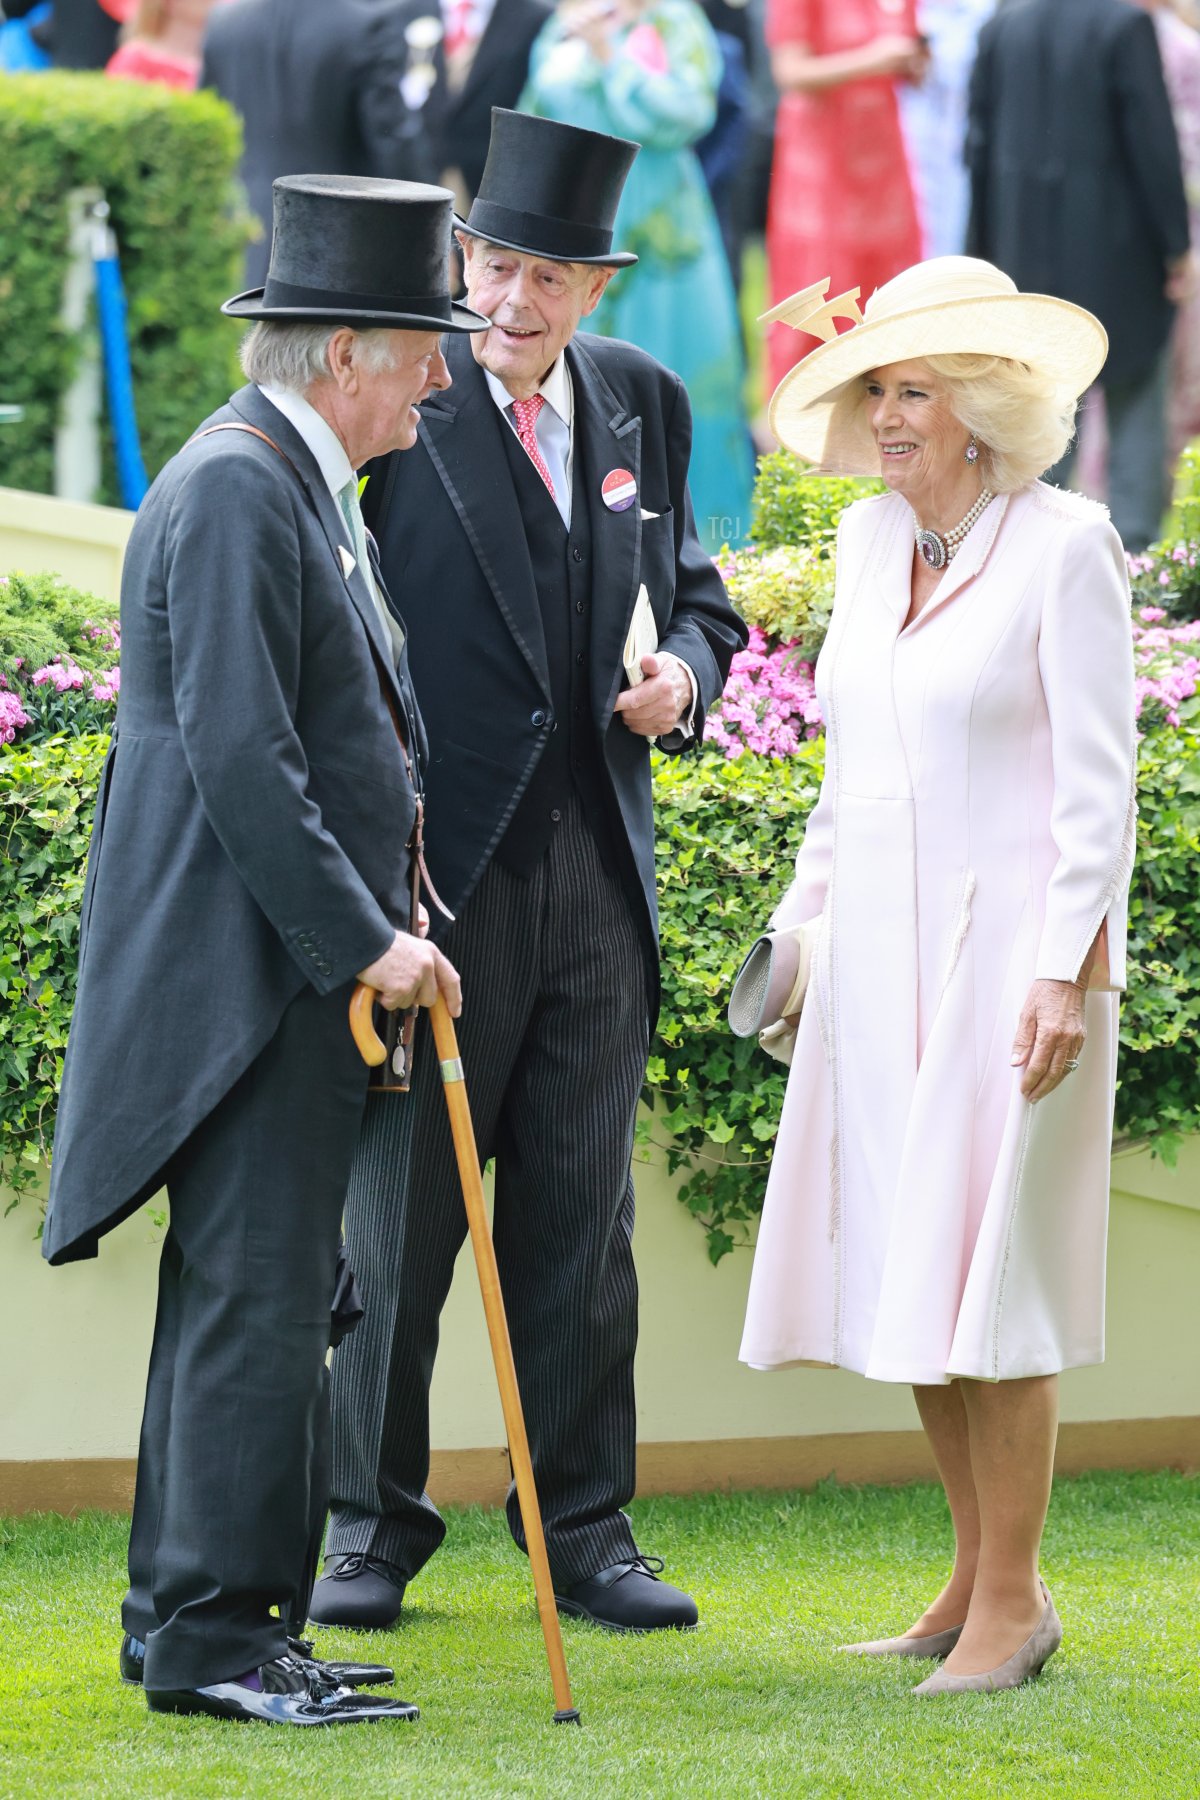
[971,453]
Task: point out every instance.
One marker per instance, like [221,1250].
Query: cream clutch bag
[770,986]
[642,639]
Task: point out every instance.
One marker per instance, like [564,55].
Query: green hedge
[47,794]
[166,163]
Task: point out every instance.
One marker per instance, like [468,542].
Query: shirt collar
[318,435]
[556,390]
[480,10]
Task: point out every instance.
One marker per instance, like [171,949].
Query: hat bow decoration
[811,312]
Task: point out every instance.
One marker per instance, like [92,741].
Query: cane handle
[371,1046]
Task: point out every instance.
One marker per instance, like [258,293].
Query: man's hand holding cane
[412,972]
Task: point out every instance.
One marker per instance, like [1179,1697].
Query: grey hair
[293,357]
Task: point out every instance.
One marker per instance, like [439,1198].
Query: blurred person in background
[1179,44]
[649,70]
[162,42]
[462,58]
[1077,190]
[722,151]
[933,114]
[317,85]
[842,200]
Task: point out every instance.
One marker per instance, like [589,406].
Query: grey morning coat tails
[254,811]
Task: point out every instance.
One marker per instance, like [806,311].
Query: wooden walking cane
[373,1052]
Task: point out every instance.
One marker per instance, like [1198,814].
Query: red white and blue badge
[618,490]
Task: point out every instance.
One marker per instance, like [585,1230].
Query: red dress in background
[841,197]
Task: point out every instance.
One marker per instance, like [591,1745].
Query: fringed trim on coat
[1121,871]
[961,928]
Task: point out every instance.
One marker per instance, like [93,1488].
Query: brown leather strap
[253,432]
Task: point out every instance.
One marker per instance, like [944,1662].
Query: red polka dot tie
[525,413]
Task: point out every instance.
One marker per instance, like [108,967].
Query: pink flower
[61,675]
[12,716]
[769,705]
[1151,614]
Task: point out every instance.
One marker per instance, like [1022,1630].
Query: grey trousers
[232,1464]
[1138,489]
[554,1042]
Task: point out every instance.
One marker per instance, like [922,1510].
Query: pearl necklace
[937,548]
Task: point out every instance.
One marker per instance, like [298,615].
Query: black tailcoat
[317,85]
[451,131]
[254,811]
[454,553]
[1076,185]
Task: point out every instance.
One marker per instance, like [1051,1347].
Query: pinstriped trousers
[554,1039]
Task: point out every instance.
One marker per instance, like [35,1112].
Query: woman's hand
[593,21]
[901,57]
[795,69]
[1050,1035]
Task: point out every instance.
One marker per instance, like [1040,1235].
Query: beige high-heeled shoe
[1021,1666]
[933,1644]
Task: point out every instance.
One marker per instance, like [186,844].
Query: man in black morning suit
[250,860]
[553,481]
[317,85]
[463,58]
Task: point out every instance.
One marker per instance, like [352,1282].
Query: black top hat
[354,250]
[551,190]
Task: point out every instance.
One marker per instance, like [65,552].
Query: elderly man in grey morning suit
[250,859]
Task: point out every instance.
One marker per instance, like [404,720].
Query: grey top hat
[354,250]
[551,190]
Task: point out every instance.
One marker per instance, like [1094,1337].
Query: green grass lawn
[754,1703]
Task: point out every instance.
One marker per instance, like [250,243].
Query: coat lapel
[970,559]
[607,438]
[258,411]
[893,568]
[461,431]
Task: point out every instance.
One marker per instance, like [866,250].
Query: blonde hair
[1021,419]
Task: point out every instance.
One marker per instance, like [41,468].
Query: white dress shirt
[554,429]
[330,456]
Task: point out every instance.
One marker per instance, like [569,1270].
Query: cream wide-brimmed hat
[946,306]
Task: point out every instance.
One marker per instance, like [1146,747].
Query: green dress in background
[659,87]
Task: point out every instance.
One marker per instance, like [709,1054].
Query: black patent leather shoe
[290,1692]
[344,1674]
[629,1596]
[359,1592]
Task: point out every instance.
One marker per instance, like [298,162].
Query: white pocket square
[649,515]
[348,563]
[642,639]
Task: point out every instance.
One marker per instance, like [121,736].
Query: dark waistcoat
[561,561]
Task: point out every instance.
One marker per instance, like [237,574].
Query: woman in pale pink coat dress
[937,1205]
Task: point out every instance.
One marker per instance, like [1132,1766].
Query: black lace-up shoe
[345,1674]
[630,1597]
[360,1592]
[286,1691]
